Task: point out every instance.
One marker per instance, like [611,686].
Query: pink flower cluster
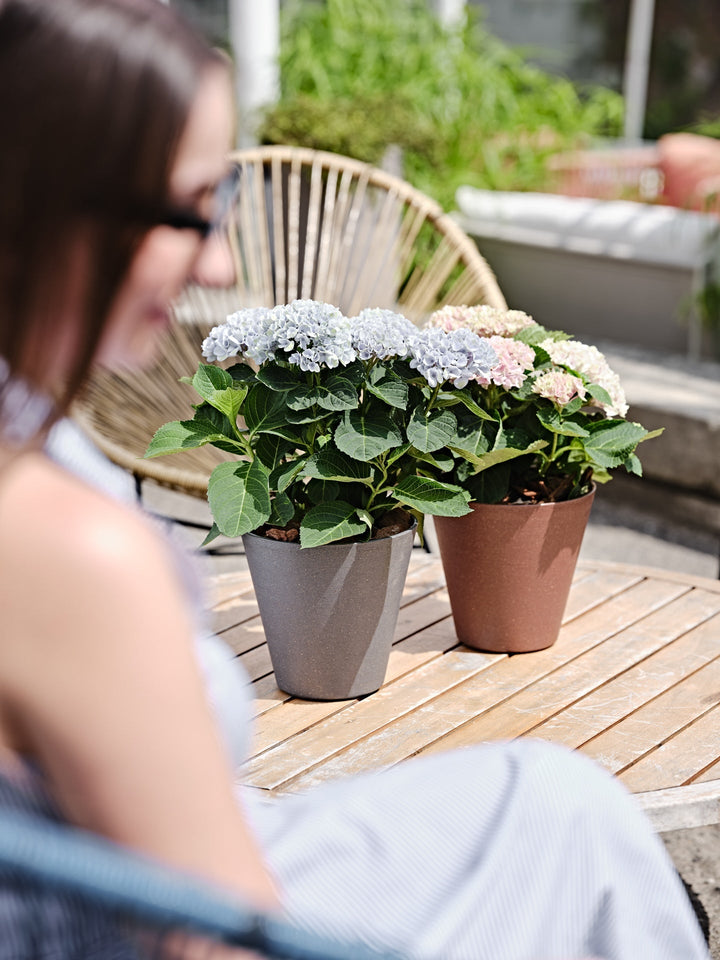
[591,363]
[513,359]
[559,387]
[483,320]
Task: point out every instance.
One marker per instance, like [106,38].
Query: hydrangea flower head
[458,356]
[513,360]
[244,334]
[382,334]
[312,334]
[559,387]
[591,364]
[484,320]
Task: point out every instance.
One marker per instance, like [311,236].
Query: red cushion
[686,160]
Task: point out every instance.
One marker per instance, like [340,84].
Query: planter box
[600,269]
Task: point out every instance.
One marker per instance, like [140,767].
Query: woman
[116,120]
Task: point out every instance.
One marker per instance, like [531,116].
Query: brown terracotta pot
[509,568]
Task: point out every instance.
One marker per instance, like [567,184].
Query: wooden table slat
[677,761]
[636,735]
[660,663]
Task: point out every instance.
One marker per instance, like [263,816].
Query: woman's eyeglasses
[224,196]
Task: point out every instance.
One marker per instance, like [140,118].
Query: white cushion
[616,228]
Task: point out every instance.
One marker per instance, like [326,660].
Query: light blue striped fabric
[509,851]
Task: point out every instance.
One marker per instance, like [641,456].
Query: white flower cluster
[242,334]
[458,356]
[382,334]
[314,334]
[308,333]
[591,364]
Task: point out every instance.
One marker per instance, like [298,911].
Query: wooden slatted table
[633,681]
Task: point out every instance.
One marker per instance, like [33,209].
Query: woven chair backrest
[306,224]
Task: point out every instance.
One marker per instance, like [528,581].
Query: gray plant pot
[329,612]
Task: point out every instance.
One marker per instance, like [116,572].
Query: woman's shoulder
[54,524]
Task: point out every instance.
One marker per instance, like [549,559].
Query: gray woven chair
[307,224]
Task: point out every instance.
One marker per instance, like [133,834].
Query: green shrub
[357,75]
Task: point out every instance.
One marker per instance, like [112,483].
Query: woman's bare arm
[100,684]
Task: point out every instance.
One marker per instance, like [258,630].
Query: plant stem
[433,398]
[377,488]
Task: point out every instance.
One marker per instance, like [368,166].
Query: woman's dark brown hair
[94,96]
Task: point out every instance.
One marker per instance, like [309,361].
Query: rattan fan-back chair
[306,224]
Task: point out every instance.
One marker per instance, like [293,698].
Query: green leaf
[265,411]
[473,407]
[443,463]
[391,390]
[431,431]
[633,465]
[500,455]
[227,438]
[366,437]
[280,379]
[366,517]
[306,415]
[433,497]
[230,401]
[282,510]
[284,474]
[471,437]
[535,335]
[397,452]
[328,522]
[599,393]
[182,435]
[218,388]
[270,449]
[239,497]
[573,406]
[490,486]
[336,394]
[212,534]
[208,380]
[354,372]
[242,373]
[331,464]
[555,422]
[320,491]
[611,442]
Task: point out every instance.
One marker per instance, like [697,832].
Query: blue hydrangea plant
[335,421]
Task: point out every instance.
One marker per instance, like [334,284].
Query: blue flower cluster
[458,356]
[306,333]
[382,334]
[313,335]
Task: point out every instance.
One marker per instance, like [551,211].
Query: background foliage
[358,75]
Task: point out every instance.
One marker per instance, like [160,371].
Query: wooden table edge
[656,573]
[679,808]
